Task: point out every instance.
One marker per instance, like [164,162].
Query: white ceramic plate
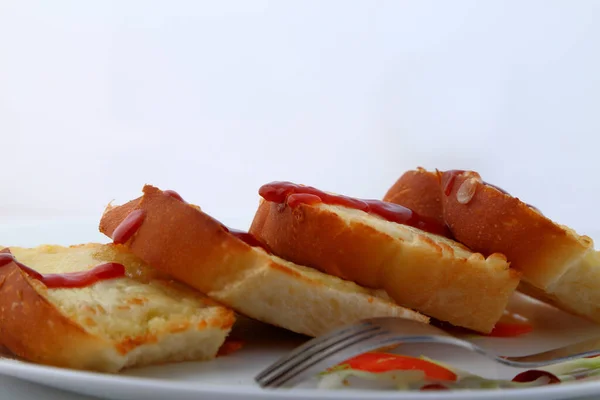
[231,377]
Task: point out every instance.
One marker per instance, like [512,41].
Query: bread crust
[558,266]
[418,270]
[194,248]
[174,225]
[493,221]
[418,190]
[34,329]
[35,325]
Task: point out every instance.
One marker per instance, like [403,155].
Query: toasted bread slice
[182,241]
[420,191]
[558,265]
[135,320]
[419,270]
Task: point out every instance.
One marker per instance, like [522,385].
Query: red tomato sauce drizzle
[293,195]
[132,223]
[110,270]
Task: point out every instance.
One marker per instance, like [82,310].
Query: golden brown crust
[426,272]
[174,225]
[493,221]
[120,212]
[192,247]
[291,233]
[91,327]
[34,329]
[558,266]
[420,191]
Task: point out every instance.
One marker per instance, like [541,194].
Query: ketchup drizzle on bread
[110,270]
[128,227]
[245,237]
[293,194]
[134,220]
[344,237]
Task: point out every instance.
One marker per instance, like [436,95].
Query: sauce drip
[293,194]
[174,194]
[128,227]
[451,179]
[6,258]
[247,238]
[110,270]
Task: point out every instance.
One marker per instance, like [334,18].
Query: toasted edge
[420,191]
[493,221]
[34,329]
[426,272]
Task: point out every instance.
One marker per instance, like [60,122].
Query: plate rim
[23,370]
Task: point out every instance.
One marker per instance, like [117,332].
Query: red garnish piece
[434,386]
[534,374]
[383,362]
[509,329]
[230,346]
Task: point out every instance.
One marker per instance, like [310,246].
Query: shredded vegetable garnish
[383,362]
[387,371]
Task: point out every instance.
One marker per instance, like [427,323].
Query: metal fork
[328,350]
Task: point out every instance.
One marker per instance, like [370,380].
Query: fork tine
[322,361]
[333,356]
[301,363]
[311,344]
[315,348]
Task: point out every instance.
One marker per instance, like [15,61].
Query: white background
[215,98]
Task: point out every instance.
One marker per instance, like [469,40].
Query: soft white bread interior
[182,241]
[576,291]
[142,318]
[429,273]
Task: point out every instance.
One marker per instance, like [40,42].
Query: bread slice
[135,320]
[420,191]
[419,270]
[558,265]
[182,241]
